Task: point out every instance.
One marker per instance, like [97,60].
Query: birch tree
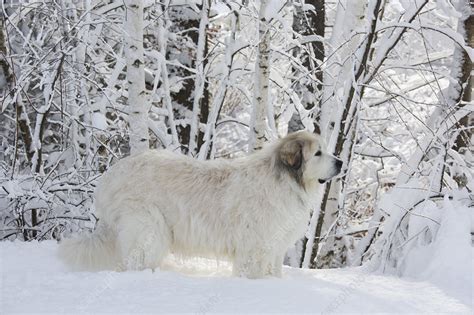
[137,96]
[200,78]
[258,124]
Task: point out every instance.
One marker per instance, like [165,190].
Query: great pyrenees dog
[249,210]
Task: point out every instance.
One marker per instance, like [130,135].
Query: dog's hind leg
[143,240]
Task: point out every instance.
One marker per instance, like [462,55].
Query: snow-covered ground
[33,280]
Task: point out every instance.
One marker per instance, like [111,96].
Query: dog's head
[303,155]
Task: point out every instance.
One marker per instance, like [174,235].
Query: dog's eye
[318,153]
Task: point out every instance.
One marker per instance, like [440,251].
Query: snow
[99,121]
[448,9]
[33,280]
[271,9]
[447,261]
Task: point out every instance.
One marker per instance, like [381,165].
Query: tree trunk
[198,115]
[162,48]
[464,89]
[219,97]
[258,125]
[23,121]
[137,95]
[186,22]
[306,23]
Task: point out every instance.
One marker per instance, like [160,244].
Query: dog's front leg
[252,265]
[277,265]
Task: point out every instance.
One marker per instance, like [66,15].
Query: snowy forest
[387,84]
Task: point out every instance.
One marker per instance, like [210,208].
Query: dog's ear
[291,154]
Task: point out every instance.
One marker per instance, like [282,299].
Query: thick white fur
[250,210]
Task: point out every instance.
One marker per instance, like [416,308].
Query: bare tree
[389,250]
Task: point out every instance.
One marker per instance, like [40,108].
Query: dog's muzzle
[337,170]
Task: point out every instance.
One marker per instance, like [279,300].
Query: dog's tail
[93,251]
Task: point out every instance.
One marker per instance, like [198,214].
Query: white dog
[250,210]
